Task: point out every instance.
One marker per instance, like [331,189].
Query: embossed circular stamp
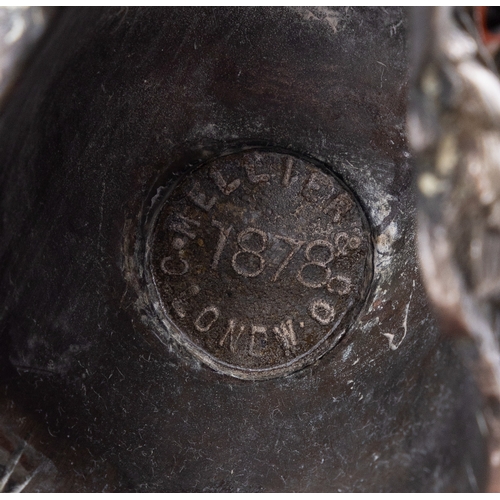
[260,262]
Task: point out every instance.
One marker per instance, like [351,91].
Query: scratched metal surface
[117,101]
[264,274]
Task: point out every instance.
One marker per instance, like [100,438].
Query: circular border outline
[318,350]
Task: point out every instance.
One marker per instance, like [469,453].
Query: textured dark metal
[261,262]
[122,102]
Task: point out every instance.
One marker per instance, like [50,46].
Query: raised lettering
[341,205]
[173,271]
[345,241]
[322,311]
[243,242]
[344,285]
[223,235]
[252,176]
[199,323]
[355,240]
[233,338]
[287,176]
[295,247]
[278,281]
[181,224]
[317,187]
[179,243]
[317,262]
[225,187]
[200,199]
[286,335]
[255,349]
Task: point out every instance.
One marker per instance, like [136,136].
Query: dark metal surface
[261,262]
[118,102]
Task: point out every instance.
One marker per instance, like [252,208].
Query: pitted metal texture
[261,261]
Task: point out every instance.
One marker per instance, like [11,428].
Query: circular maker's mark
[261,262]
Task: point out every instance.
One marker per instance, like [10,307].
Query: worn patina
[121,107]
[261,262]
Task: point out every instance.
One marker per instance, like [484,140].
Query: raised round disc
[261,261]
